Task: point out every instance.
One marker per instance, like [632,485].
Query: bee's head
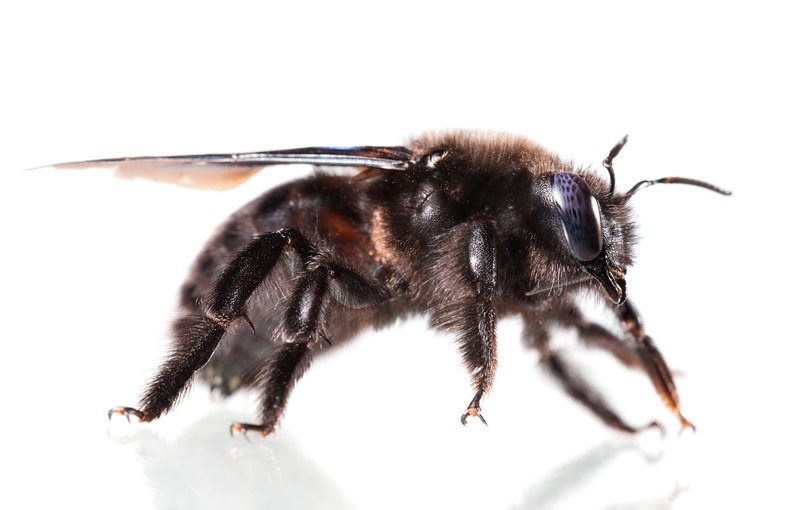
[597,224]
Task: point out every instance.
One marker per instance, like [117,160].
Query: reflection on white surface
[202,468]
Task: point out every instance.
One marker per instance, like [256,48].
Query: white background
[91,265]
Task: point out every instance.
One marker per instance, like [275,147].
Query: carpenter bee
[464,227]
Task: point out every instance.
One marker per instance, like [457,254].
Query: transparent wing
[224,171]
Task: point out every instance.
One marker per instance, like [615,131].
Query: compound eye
[580,215]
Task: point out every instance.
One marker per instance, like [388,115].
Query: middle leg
[469,310]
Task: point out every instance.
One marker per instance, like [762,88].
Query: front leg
[538,334]
[651,359]
[469,310]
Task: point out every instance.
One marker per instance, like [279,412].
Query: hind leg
[198,335]
[304,324]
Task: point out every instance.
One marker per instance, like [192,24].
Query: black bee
[466,228]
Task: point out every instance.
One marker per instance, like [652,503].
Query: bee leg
[591,334]
[578,388]
[288,363]
[281,372]
[479,349]
[651,360]
[643,355]
[303,324]
[596,336]
[470,310]
[198,335]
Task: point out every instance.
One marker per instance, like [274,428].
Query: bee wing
[224,171]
